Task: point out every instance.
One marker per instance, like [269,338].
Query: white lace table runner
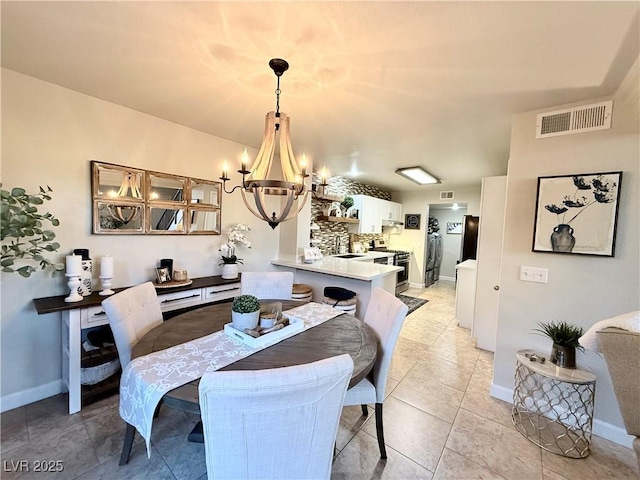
[146,379]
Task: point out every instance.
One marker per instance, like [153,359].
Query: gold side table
[553,406]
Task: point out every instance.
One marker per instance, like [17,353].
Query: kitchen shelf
[324,218]
[330,198]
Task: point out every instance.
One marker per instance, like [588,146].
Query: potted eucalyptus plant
[245,312]
[565,341]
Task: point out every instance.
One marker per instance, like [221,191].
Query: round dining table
[342,334]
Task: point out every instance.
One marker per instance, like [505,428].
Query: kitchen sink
[349,255]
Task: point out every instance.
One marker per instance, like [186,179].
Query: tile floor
[440,423]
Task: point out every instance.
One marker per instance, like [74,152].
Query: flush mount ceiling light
[418,175]
[256,184]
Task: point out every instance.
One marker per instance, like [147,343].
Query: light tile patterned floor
[440,423]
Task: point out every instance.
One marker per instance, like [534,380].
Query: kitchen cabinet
[465,293]
[391,211]
[369,211]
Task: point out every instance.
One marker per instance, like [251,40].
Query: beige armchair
[621,350]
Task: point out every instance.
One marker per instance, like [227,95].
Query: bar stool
[301,293]
[347,306]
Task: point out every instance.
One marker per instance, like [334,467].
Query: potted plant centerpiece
[245,312]
[565,341]
[230,261]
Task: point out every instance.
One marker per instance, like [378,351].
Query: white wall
[582,289]
[49,136]
[418,202]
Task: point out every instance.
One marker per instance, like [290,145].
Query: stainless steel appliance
[401,258]
[434,258]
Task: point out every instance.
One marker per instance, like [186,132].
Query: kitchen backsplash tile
[332,234]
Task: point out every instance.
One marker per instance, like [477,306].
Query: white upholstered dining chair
[276,423]
[132,313]
[385,315]
[267,285]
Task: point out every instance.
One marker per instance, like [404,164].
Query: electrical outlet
[534,274]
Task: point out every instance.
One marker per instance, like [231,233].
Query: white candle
[106,267]
[74,264]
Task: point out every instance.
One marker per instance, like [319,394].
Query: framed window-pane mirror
[204,221]
[204,192]
[128,200]
[116,182]
[167,220]
[166,188]
[111,217]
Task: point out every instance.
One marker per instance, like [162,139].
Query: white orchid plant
[235,235]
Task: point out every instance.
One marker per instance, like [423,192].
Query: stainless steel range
[401,258]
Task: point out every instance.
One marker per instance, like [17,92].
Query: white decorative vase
[240,321]
[230,270]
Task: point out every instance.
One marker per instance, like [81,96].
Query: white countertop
[472,264]
[359,270]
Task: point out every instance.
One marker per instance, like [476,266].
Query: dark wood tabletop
[342,334]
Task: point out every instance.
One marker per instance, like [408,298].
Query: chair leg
[380,431]
[129,435]
[365,410]
[156,412]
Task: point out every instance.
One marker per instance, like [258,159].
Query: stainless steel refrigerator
[434,258]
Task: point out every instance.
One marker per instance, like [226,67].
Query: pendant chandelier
[257,185]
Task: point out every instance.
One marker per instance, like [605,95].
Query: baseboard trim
[601,429]
[416,285]
[25,397]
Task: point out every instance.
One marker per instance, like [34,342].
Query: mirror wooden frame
[133,205]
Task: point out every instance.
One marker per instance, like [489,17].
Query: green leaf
[17,191]
[48,235]
[25,271]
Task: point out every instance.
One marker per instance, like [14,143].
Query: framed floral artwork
[454,228]
[577,214]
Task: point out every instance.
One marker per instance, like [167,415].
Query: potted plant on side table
[565,341]
[245,312]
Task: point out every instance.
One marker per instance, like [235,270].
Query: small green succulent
[245,304]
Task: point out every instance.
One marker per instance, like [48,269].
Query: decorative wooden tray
[295,326]
[173,284]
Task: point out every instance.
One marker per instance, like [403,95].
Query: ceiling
[372,86]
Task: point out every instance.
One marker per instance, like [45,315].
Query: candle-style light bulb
[225,169]
[244,160]
[323,175]
[303,164]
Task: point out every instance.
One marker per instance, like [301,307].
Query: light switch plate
[534,274]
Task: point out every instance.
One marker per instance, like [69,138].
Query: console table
[553,406]
[88,313]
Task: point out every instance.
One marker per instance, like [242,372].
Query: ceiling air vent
[446,195]
[585,118]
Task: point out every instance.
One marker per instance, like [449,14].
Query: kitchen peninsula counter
[353,274]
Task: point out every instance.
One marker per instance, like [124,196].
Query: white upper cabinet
[373,213]
[369,214]
[394,212]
